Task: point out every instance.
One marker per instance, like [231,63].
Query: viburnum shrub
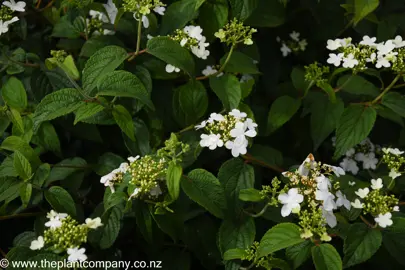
[204,134]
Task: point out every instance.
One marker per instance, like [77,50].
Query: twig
[259,162]
[135,54]
[366,222]
[258,214]
[386,89]
[71,166]
[20,215]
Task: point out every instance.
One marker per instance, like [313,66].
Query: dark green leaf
[395,101]
[111,228]
[281,111]
[250,195]
[173,176]
[239,63]
[227,88]
[298,254]
[86,110]
[25,193]
[124,121]
[364,7]
[357,85]
[60,200]
[235,253]
[22,166]
[239,234]
[14,94]
[268,13]
[326,257]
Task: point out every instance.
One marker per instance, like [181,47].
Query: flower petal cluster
[293,44]
[232,130]
[236,32]
[7,17]
[191,37]
[142,8]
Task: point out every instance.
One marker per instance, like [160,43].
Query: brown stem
[38,4]
[261,163]
[71,166]
[401,203]
[367,222]
[135,54]
[20,215]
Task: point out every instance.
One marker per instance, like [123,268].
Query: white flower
[370,161]
[373,56]
[394,174]
[290,201]
[338,171]
[385,61]
[350,152]
[362,193]
[342,200]
[210,70]
[330,217]
[349,165]
[93,223]
[111,10]
[238,114]
[368,41]
[238,146]
[250,124]
[160,10]
[156,191]
[19,6]
[349,61]
[194,31]
[216,117]
[384,220]
[333,44]
[76,254]
[345,42]
[171,68]
[285,50]
[200,52]
[376,184]
[37,244]
[53,214]
[145,21]
[202,125]
[133,159]
[335,59]
[149,37]
[303,44]
[295,36]
[4,25]
[398,42]
[240,130]
[211,141]
[97,15]
[357,204]
[327,198]
[245,78]
[306,165]
[323,182]
[351,183]
[396,208]
[278,39]
[385,48]
[136,191]
[53,223]
[394,151]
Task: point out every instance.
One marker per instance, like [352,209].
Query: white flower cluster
[116,175]
[13,6]
[382,219]
[294,44]
[382,54]
[323,191]
[393,153]
[145,21]
[211,70]
[111,10]
[231,130]
[363,153]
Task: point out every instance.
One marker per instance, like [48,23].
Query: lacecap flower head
[231,130]
[141,8]
[235,32]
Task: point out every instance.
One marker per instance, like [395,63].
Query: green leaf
[25,193]
[57,104]
[363,7]
[239,63]
[395,101]
[124,121]
[268,13]
[242,9]
[328,89]
[14,94]
[108,162]
[41,174]
[178,14]
[234,176]
[326,257]
[101,63]
[22,166]
[360,244]
[213,16]
[86,110]
[172,53]
[205,189]
[235,253]
[324,119]
[9,189]
[298,80]
[250,195]
[354,126]
[173,176]
[13,143]
[357,85]
[390,115]
[24,239]
[279,237]
[266,154]
[236,234]
[112,225]
[281,111]
[144,220]
[227,88]
[60,200]
[124,84]
[64,28]
[395,244]
[16,119]
[49,138]
[66,168]
[299,253]
[190,102]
